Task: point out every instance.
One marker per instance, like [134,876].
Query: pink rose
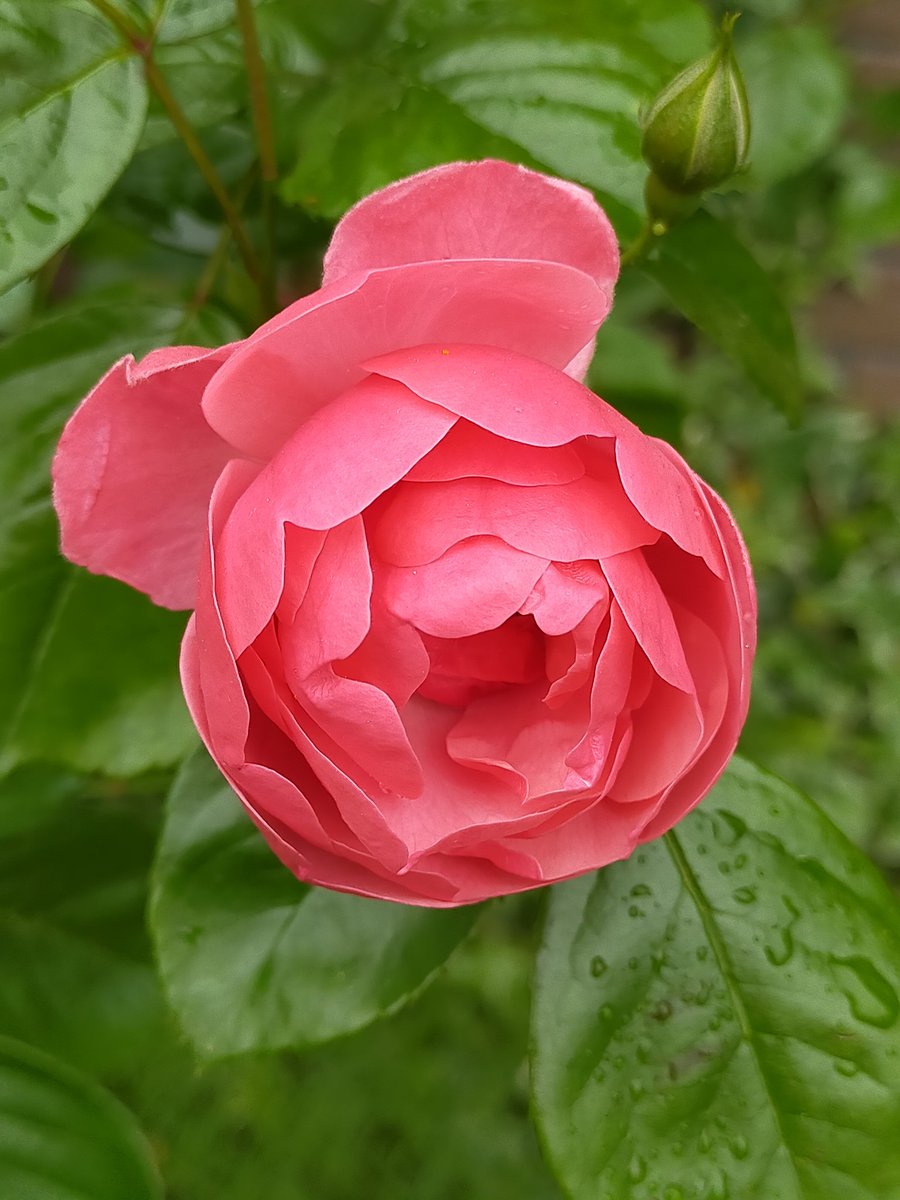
[460,628]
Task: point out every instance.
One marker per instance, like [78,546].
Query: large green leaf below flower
[254,960]
[718,1017]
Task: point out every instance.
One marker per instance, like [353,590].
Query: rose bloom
[460,628]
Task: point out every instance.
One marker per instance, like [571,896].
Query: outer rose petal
[315,350]
[484,209]
[134,471]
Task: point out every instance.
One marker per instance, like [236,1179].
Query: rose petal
[589,518]
[331,470]
[503,391]
[476,210]
[333,618]
[469,451]
[663,489]
[315,351]
[646,609]
[391,656]
[134,471]
[209,674]
[474,586]
[565,594]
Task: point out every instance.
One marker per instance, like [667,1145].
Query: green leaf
[72,110]
[797,88]
[64,1138]
[718,285]
[70,997]
[558,88]
[718,1016]
[75,854]
[254,960]
[95,665]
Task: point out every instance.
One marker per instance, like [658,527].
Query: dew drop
[718,1189]
[662,1011]
[42,214]
[637,1169]
[636,1088]
[633,964]
[847,1068]
[727,828]
[739,1147]
[634,911]
[607,1012]
[644,1051]
[705,1142]
[599,966]
[703,953]
[745,895]
[641,889]
[725,868]
[872,999]
[673,1192]
[783,950]
[740,861]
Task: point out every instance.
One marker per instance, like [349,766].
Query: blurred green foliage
[430,1104]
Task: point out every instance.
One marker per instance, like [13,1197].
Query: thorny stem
[143,46]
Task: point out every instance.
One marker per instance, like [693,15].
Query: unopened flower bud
[697,131]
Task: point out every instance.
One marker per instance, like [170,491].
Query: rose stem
[143,46]
[265,140]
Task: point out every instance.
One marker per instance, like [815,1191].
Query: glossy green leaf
[718,1016]
[797,88]
[559,89]
[94,665]
[64,1138]
[251,958]
[71,112]
[718,285]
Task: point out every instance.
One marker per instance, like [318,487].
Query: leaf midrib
[117,54]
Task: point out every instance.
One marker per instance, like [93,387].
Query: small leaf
[718,285]
[64,1138]
[71,113]
[254,960]
[718,1016]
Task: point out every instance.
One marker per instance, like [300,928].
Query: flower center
[465,668]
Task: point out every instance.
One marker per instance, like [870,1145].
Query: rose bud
[460,628]
[697,131]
